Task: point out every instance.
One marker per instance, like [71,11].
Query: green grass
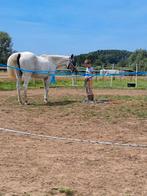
[120,83]
[11,85]
[117,108]
[117,83]
[63,190]
[7,85]
[67,191]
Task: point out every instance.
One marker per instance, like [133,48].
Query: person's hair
[87,61]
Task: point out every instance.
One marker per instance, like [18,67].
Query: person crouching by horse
[88,79]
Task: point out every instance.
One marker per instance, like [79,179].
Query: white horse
[24,65]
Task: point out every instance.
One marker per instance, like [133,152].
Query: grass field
[106,82]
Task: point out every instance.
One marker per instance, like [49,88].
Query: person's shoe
[91,97]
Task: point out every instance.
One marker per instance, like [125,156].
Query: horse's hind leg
[25,85]
[18,87]
[46,89]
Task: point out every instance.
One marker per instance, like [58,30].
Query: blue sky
[74,26]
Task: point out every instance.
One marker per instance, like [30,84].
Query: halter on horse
[72,65]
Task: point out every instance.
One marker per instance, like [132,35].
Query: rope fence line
[79,74]
[48,137]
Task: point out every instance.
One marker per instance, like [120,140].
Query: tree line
[5,47]
[120,59]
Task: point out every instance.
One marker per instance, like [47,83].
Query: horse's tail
[13,63]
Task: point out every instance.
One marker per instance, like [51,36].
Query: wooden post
[111,76]
[136,79]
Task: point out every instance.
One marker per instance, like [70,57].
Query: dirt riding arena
[38,165]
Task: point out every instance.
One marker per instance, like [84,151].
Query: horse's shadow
[54,103]
[61,103]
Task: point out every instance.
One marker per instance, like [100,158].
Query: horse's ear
[72,56]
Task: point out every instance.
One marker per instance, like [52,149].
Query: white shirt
[89,72]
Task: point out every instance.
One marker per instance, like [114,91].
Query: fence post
[136,79]
[111,76]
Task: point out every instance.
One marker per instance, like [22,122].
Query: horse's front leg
[46,89]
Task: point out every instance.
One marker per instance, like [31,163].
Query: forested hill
[106,58]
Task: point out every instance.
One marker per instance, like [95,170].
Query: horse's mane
[54,56]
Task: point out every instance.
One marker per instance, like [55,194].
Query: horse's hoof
[46,102]
[20,103]
[26,103]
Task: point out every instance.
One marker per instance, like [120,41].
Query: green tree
[138,57]
[98,63]
[5,47]
[106,57]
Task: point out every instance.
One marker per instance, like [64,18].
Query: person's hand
[86,79]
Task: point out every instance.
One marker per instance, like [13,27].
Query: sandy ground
[40,167]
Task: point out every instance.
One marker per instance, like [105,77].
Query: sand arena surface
[40,167]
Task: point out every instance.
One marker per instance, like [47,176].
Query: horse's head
[58,60]
[72,64]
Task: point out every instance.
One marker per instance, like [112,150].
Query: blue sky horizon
[75,26]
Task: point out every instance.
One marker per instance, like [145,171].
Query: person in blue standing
[88,80]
